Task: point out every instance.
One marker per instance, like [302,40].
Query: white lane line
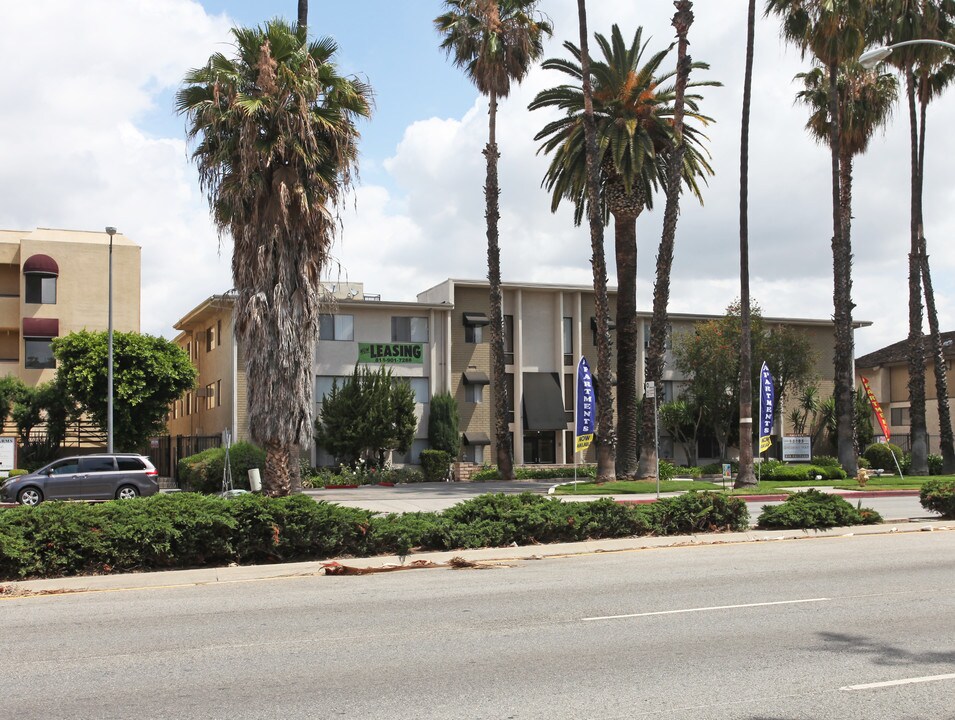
[893,683]
[708,609]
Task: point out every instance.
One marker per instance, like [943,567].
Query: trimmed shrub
[939,495]
[695,512]
[667,471]
[17,471]
[688,471]
[802,472]
[826,461]
[435,465]
[443,424]
[815,510]
[880,455]
[203,472]
[862,462]
[934,464]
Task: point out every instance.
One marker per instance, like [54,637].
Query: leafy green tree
[443,424]
[149,373]
[680,419]
[367,417]
[276,146]
[12,390]
[495,42]
[48,406]
[634,112]
[709,356]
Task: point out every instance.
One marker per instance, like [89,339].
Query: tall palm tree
[302,14]
[634,116]
[495,42]
[605,438]
[831,31]
[745,477]
[276,149]
[674,160]
[909,20]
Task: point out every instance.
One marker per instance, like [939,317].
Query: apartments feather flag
[585,406]
[877,409]
[767,396]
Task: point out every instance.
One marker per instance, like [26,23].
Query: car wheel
[127,492]
[29,496]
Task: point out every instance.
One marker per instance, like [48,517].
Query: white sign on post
[8,455]
[650,389]
[797,448]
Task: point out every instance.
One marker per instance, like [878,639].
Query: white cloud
[87,138]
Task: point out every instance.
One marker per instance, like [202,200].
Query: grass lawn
[626,487]
[767,487]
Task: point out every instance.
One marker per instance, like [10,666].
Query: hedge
[180,530]
[202,472]
[939,495]
[801,472]
[815,510]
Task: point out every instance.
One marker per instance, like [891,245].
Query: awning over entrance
[543,402]
[41,327]
[476,377]
[476,438]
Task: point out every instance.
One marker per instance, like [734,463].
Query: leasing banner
[767,394]
[391,353]
[585,406]
[877,409]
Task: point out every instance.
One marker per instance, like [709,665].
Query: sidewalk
[501,556]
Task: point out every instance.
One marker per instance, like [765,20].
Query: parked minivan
[85,477]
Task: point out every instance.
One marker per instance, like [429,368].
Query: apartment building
[887,370]
[440,342]
[54,282]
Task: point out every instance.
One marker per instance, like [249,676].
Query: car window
[97,464]
[65,467]
[130,463]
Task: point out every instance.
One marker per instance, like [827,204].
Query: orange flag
[877,409]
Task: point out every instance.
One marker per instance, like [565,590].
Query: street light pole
[873,57]
[109,372]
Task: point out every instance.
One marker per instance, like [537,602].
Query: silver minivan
[85,477]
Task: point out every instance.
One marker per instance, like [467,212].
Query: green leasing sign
[393,353]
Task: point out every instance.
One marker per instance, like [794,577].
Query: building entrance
[540,448]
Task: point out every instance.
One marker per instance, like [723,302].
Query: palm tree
[302,14]
[904,20]
[276,149]
[832,30]
[633,114]
[605,438]
[745,477]
[495,41]
[674,160]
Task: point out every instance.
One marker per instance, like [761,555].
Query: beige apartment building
[54,282]
[887,370]
[440,342]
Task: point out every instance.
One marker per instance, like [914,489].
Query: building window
[325,383]
[189,350]
[473,334]
[413,456]
[508,339]
[41,289]
[38,353]
[900,416]
[210,396]
[218,393]
[210,339]
[509,383]
[474,454]
[569,399]
[421,387]
[409,329]
[474,393]
[568,341]
[336,327]
[188,403]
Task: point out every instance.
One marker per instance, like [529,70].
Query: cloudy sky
[89,138]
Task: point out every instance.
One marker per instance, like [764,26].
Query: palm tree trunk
[625,240]
[841,294]
[916,354]
[492,192]
[682,19]
[302,14]
[605,438]
[746,477]
[946,441]
[277,469]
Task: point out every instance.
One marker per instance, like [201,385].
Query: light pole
[109,372]
[873,57]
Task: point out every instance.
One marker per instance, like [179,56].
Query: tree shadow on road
[883,653]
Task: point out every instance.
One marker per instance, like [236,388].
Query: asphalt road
[855,627]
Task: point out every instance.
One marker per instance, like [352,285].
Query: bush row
[939,495]
[189,530]
[815,510]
